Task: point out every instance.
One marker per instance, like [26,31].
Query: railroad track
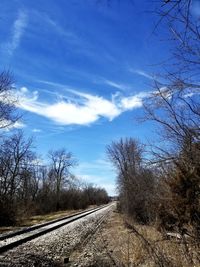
[14,239]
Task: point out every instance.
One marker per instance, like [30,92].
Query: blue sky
[82,70]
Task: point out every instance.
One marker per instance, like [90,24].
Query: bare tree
[8,113]
[175,106]
[135,181]
[15,157]
[61,161]
[181,71]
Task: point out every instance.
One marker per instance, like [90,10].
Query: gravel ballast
[54,248]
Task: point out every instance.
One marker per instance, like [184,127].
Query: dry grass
[47,217]
[37,219]
[123,243]
[5,229]
[160,250]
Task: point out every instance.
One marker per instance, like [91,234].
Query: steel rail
[66,220]
[37,226]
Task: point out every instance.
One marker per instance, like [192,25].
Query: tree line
[27,187]
[160,183]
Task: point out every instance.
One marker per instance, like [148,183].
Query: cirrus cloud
[18,28]
[80,108]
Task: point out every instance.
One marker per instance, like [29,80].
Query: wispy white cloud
[117,85]
[57,85]
[7,125]
[190,95]
[17,32]
[191,92]
[78,108]
[100,165]
[67,112]
[19,125]
[72,38]
[35,130]
[135,101]
[43,17]
[142,73]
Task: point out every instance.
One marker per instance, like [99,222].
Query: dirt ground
[116,243]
